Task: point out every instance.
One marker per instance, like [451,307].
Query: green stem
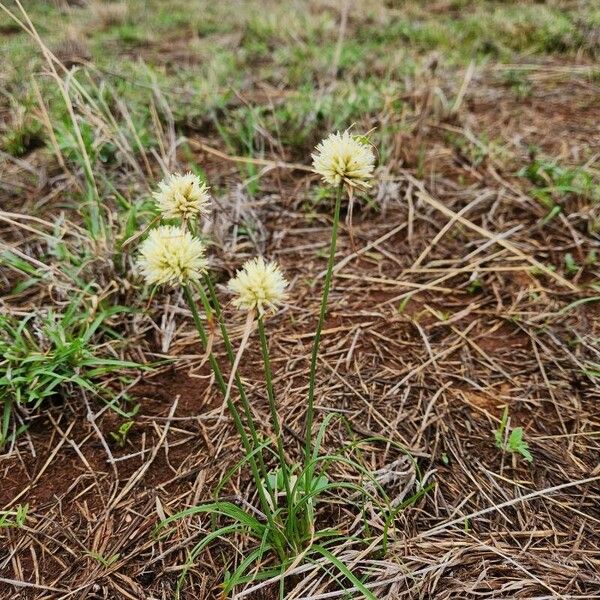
[232,409]
[273,406]
[204,338]
[317,339]
[230,355]
[238,381]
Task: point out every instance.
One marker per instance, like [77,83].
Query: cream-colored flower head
[171,255]
[343,157]
[258,285]
[182,197]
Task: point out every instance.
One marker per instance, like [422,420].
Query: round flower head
[171,255]
[182,197]
[258,284]
[342,157]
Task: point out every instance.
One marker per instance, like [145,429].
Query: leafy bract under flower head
[171,255]
[346,158]
[258,285]
[182,197]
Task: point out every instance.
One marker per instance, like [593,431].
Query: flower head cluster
[258,285]
[182,197]
[344,158]
[171,255]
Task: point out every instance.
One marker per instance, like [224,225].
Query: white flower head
[171,255]
[258,285]
[182,197]
[346,158]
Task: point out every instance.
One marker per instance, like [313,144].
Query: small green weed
[14,518]
[475,286]
[105,561]
[571,266]
[120,435]
[515,442]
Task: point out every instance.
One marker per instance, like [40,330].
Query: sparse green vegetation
[554,184]
[45,356]
[23,132]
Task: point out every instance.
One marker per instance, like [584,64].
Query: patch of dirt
[542,118]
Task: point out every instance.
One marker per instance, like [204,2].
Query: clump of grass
[554,183]
[23,130]
[42,357]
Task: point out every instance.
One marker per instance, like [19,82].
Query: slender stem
[273,406]
[317,339]
[238,381]
[322,314]
[232,409]
[204,338]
